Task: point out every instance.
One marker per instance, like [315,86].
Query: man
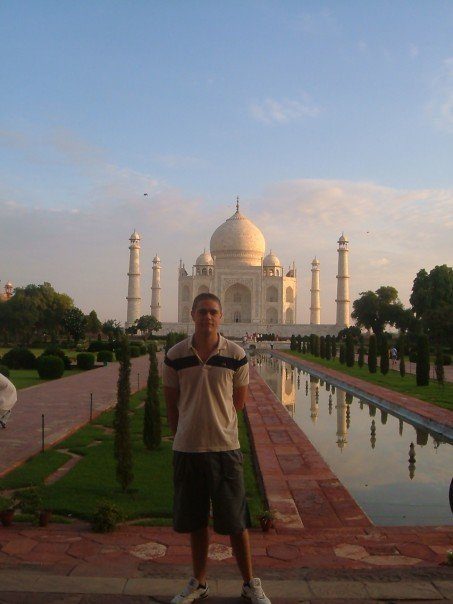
[205,384]
[8,398]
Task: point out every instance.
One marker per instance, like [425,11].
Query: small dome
[343,239]
[315,262]
[156,258]
[134,235]
[271,260]
[204,259]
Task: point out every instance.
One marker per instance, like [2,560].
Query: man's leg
[241,550]
[199,541]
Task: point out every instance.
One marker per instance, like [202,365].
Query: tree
[112,329]
[439,365]
[342,358]
[384,361]
[147,324]
[350,353]
[152,421]
[328,348]
[372,354]
[432,302]
[401,350]
[374,310]
[122,445]
[93,325]
[334,347]
[422,367]
[361,357]
[322,347]
[75,323]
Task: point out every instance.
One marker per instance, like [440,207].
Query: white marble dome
[204,259]
[271,260]
[237,242]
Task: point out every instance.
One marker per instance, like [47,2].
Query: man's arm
[239,397]
[171,396]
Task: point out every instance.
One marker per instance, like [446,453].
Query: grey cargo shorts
[201,478]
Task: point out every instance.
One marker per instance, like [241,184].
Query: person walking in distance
[205,381]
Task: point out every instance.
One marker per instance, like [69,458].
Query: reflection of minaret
[288,390]
[315,307]
[342,431]
[343,314]
[155,289]
[314,398]
[133,291]
[411,461]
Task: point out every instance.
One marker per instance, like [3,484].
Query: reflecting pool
[399,474]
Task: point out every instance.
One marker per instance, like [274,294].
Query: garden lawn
[24,378]
[434,393]
[93,478]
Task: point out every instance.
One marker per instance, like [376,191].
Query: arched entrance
[238,304]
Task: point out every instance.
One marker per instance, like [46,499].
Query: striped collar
[222,344]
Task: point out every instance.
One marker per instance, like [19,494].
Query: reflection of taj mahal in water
[257,293]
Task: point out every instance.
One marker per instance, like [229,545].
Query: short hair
[205,296]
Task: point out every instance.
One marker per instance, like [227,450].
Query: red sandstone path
[319,526]
[65,404]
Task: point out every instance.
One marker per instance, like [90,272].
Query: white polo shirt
[207,417]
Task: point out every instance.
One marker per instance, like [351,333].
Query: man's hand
[240,397]
[171,396]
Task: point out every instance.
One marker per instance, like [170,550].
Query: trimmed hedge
[85,360]
[50,367]
[105,356]
[4,370]
[98,345]
[58,352]
[19,358]
[135,351]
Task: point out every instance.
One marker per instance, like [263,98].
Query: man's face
[207,316]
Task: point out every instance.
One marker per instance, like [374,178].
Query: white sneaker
[254,592]
[191,592]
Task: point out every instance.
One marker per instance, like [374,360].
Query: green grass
[24,378]
[93,477]
[438,395]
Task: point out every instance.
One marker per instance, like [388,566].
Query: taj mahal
[257,293]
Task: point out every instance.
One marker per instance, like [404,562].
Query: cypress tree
[384,361]
[372,354]
[328,348]
[401,355]
[342,353]
[317,346]
[312,344]
[439,366]
[293,344]
[334,347]
[361,358]
[422,368]
[350,350]
[299,343]
[304,347]
[322,347]
[152,421]
[122,445]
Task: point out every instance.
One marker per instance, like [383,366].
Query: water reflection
[399,474]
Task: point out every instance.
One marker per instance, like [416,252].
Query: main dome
[237,241]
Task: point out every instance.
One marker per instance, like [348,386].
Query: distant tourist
[8,398]
[205,381]
[393,355]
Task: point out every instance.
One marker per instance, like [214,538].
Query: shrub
[4,370]
[85,360]
[334,347]
[135,352]
[440,374]
[152,431]
[105,356]
[446,359]
[122,444]
[106,517]
[422,368]
[384,360]
[19,358]
[342,353]
[30,500]
[361,358]
[50,367]
[58,352]
[98,345]
[328,348]
[350,350]
[372,354]
[322,347]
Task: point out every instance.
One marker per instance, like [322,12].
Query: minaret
[133,290]
[343,313]
[315,308]
[155,288]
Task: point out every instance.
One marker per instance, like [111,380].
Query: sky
[324,117]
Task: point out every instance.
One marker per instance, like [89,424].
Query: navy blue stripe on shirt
[215,361]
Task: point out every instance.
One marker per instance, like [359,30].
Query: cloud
[271,111]
[413,51]
[180,161]
[379,262]
[441,105]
